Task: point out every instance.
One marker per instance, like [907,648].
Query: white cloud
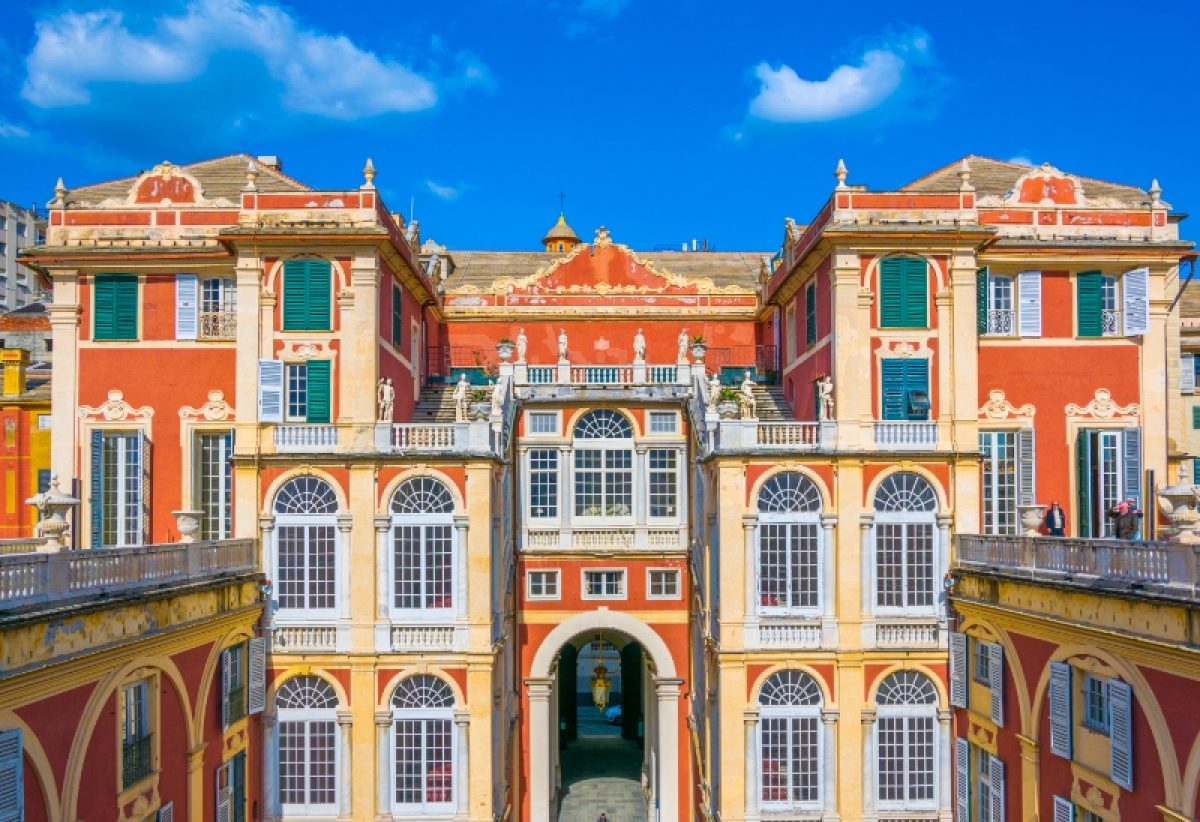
[443,192]
[785,97]
[318,73]
[11,130]
[1021,160]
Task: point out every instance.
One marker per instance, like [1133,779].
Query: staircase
[436,404]
[621,799]
[771,404]
[601,774]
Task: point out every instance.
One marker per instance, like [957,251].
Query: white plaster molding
[215,409]
[298,350]
[115,409]
[998,407]
[905,349]
[1102,407]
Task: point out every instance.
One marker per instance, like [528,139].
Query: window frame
[429,525]
[549,573]
[222,510]
[295,392]
[424,717]
[306,718]
[531,428]
[141,744]
[551,476]
[310,526]
[908,525]
[622,594]
[123,487]
[1095,713]
[804,718]
[116,278]
[981,662]
[668,573]
[905,716]
[672,416]
[672,475]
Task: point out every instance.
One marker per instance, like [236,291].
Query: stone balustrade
[905,435]
[583,375]
[422,638]
[907,634]
[789,635]
[634,538]
[290,639]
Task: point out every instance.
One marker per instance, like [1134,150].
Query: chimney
[270,161]
[14,361]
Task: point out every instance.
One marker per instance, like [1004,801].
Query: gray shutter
[270,391]
[962,781]
[1136,295]
[996,686]
[1060,709]
[1120,717]
[226,683]
[1133,464]
[1029,303]
[96,481]
[1064,810]
[187,298]
[12,780]
[225,804]
[1026,474]
[166,813]
[958,669]
[256,682]
[1187,373]
[996,777]
[144,454]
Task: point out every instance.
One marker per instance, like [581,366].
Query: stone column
[829,798]
[944,521]
[540,739]
[270,767]
[266,527]
[566,495]
[1029,776]
[345,764]
[463,583]
[868,763]
[752,786]
[196,793]
[751,637]
[866,585]
[668,748]
[944,746]
[383,587]
[829,574]
[462,767]
[383,764]
[358,320]
[64,315]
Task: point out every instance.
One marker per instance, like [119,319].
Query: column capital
[667,688]
[383,718]
[345,718]
[829,520]
[749,521]
[866,520]
[945,520]
[945,714]
[750,716]
[538,689]
[830,715]
[195,757]
[462,718]
[269,719]
[382,523]
[266,522]
[461,521]
[868,716]
[344,521]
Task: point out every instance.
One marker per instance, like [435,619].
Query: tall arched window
[424,555]
[906,563]
[603,466]
[308,747]
[789,545]
[906,742]
[789,742]
[306,549]
[424,746]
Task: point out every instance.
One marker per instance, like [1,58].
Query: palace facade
[553,531]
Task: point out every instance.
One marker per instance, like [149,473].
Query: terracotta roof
[996,177]
[482,268]
[221,177]
[32,317]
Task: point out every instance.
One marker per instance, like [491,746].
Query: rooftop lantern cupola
[561,238]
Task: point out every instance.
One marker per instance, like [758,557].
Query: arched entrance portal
[659,695]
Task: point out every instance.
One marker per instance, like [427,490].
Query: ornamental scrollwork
[217,408]
[1103,407]
[998,407]
[115,409]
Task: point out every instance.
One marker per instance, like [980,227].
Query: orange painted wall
[18,469]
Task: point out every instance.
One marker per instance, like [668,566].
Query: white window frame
[424,808]
[906,520]
[670,572]
[129,491]
[678,477]
[531,429]
[218,312]
[980,662]
[653,417]
[583,582]
[995,325]
[906,714]
[608,477]
[810,715]
[425,522]
[998,511]
[223,483]
[1111,302]
[306,718]
[558,485]
[290,391]
[307,525]
[550,573]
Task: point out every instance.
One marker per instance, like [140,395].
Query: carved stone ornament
[1102,407]
[998,407]
[115,409]
[215,409]
[306,351]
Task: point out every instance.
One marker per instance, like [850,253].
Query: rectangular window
[136,753]
[664,422]
[998,450]
[664,479]
[1098,304]
[604,584]
[662,583]
[43,480]
[810,314]
[789,334]
[231,790]
[982,669]
[397,317]
[905,386]
[543,422]
[297,392]
[903,293]
[790,762]
[214,483]
[118,507]
[218,309]
[116,307]
[22,229]
[305,569]
[1095,704]
[604,483]
[233,684]
[543,483]
[423,568]
[307,295]
[1001,311]
[543,584]
[44,422]
[789,578]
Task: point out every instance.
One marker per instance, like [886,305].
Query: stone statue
[385,397]
[562,345]
[522,344]
[639,347]
[497,397]
[749,405]
[825,398]
[460,398]
[683,345]
[714,388]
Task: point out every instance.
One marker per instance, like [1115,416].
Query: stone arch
[42,768]
[1012,661]
[91,713]
[569,422]
[827,506]
[1164,747]
[919,470]
[384,508]
[921,668]
[827,700]
[271,490]
[871,272]
[1191,777]
[384,696]
[565,631]
[341,278]
[307,670]
[210,670]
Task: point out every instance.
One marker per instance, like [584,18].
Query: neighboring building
[24,441]
[19,229]
[128,693]
[29,328]
[545,472]
[1073,677]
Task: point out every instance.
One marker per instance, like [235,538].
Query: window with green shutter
[1089,304]
[1196,417]
[905,389]
[397,316]
[318,391]
[307,290]
[115,312]
[903,293]
[810,314]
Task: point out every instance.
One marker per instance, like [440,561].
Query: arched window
[603,466]
[424,746]
[308,747]
[305,554]
[424,552]
[789,743]
[789,545]
[906,742]
[907,567]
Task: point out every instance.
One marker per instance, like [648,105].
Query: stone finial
[60,192]
[1155,192]
[964,176]
[369,174]
[251,176]
[840,173]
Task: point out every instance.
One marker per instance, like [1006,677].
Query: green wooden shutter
[295,295]
[1088,304]
[397,317]
[891,293]
[1083,483]
[916,297]
[810,313]
[239,787]
[96,483]
[115,307]
[104,313]
[318,391]
[981,301]
[1196,416]
[892,403]
[127,307]
[320,293]
[916,378]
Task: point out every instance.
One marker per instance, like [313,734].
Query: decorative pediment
[1103,407]
[1046,185]
[215,409]
[998,407]
[166,184]
[115,409]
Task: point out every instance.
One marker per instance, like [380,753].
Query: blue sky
[665,121]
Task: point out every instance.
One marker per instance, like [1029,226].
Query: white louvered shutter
[962,781]
[166,813]
[1120,717]
[1136,293]
[12,781]
[187,300]
[1026,472]
[144,484]
[1187,373]
[996,675]
[1029,305]
[226,685]
[1060,709]
[996,777]
[958,669]
[1064,810]
[256,682]
[270,391]
[1132,464]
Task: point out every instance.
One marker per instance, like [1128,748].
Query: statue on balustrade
[522,345]
[825,397]
[639,347]
[562,345]
[714,388]
[497,397]
[683,346]
[385,397]
[460,398]
[749,404]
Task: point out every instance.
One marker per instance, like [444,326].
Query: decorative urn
[188,523]
[1031,519]
[53,506]
[505,349]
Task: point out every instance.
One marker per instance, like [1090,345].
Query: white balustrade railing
[665,539]
[541,540]
[789,635]
[422,638]
[299,638]
[603,539]
[423,436]
[602,374]
[1001,322]
[607,539]
[305,437]
[923,634]
[541,375]
[662,374]
[20,546]
[905,434]
[789,434]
